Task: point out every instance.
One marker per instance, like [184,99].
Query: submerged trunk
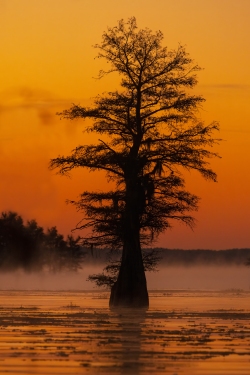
[130,289]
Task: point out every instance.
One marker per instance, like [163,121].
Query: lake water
[183,332]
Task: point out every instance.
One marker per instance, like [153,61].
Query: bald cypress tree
[149,134]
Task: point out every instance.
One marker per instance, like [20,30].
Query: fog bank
[203,278]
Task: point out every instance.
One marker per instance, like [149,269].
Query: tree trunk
[130,289]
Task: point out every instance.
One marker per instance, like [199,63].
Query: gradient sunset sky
[47,63]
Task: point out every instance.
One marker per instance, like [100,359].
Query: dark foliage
[150,134]
[29,247]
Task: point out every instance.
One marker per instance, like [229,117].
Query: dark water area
[73,332]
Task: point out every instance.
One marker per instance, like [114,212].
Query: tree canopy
[149,134]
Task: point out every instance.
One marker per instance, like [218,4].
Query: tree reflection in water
[130,330]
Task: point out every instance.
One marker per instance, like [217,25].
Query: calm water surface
[183,332]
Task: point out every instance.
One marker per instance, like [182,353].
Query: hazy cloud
[45,103]
[46,116]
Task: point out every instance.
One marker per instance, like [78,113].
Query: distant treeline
[178,257]
[205,257]
[31,248]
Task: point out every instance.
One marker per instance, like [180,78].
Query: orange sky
[47,63]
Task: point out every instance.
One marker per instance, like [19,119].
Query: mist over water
[200,277]
[174,277]
[19,280]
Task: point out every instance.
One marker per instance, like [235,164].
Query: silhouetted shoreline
[174,257]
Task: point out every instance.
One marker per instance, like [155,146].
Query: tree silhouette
[29,247]
[149,136]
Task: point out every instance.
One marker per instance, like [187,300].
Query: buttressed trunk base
[133,297]
[130,289]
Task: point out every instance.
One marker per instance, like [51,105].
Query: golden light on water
[183,332]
